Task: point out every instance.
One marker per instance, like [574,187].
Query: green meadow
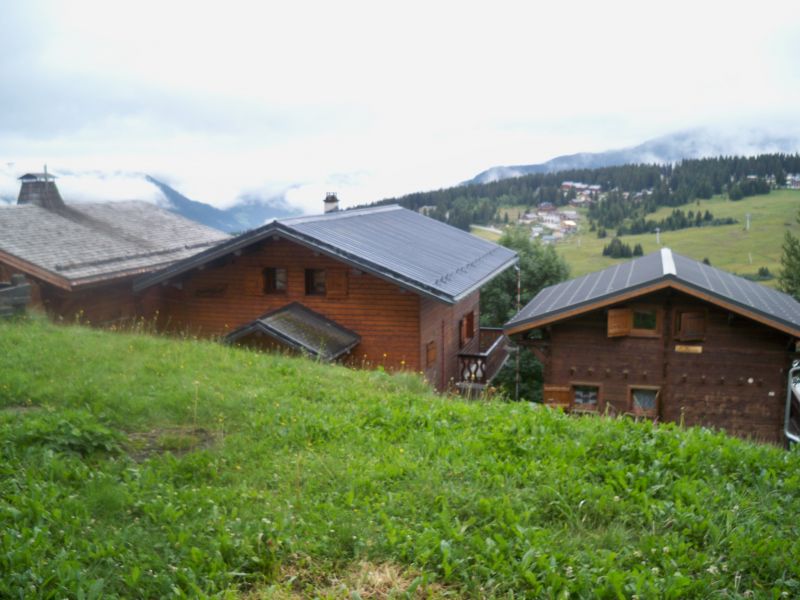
[142,467]
[728,247]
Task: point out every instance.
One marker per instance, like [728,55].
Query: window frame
[271,280]
[620,321]
[310,283]
[581,408]
[650,414]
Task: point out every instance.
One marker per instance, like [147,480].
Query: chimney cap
[36,177]
[331,197]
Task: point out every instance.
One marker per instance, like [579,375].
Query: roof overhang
[668,282]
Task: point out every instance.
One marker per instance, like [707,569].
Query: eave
[667,282]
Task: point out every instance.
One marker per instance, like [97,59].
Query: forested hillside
[628,191]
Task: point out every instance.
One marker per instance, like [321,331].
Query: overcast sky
[373,99]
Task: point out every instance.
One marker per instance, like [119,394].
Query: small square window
[645,319]
[644,401]
[585,397]
[275,280]
[690,326]
[315,282]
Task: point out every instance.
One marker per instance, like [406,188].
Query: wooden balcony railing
[481,359]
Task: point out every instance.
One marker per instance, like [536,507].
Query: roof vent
[41,190]
[331,202]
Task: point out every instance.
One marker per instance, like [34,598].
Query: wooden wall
[226,295]
[736,382]
[439,323]
[100,304]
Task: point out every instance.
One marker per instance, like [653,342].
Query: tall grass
[322,468]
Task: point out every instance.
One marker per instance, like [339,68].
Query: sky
[370,99]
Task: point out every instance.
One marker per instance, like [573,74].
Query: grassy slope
[728,247]
[317,469]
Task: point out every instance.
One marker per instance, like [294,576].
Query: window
[466,329]
[644,401]
[637,321]
[430,354]
[274,280]
[315,282]
[585,397]
[690,326]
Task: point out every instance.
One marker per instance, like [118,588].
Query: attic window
[274,280]
[690,326]
[315,282]
[636,321]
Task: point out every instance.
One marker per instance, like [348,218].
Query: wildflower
[713,570]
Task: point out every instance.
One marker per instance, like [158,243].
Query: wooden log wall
[732,379]
[440,324]
[221,297]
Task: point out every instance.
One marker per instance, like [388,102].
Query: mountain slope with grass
[135,466]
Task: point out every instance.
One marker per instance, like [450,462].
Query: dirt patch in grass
[19,409]
[177,440]
[365,580]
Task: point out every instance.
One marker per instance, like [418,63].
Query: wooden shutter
[620,321]
[557,396]
[336,283]
[692,326]
[430,354]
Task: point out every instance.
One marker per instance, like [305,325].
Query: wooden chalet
[81,258]
[380,286]
[666,337]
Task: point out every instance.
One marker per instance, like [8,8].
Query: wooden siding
[230,293]
[440,323]
[99,304]
[732,379]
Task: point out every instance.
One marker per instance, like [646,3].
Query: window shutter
[619,322]
[693,326]
[336,283]
[557,396]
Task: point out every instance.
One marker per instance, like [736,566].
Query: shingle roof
[414,251]
[85,243]
[301,328]
[659,269]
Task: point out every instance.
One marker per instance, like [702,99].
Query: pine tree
[789,276]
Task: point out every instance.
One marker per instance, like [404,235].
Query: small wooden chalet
[381,286]
[668,338]
[81,258]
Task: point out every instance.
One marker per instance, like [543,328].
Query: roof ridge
[667,262]
[339,214]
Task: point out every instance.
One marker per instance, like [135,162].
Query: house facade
[382,286]
[81,258]
[667,338]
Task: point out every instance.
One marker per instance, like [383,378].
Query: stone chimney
[331,202]
[41,190]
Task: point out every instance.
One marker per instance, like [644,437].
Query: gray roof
[409,249]
[85,243]
[303,329]
[659,269]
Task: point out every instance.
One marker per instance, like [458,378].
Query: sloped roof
[87,243]
[657,271]
[409,249]
[303,329]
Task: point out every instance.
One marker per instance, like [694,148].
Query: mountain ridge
[701,142]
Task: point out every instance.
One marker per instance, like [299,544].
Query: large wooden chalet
[668,338]
[380,286]
[81,258]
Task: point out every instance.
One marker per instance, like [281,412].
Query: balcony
[481,358]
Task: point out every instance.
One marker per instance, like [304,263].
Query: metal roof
[409,249]
[302,329]
[85,243]
[659,269]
